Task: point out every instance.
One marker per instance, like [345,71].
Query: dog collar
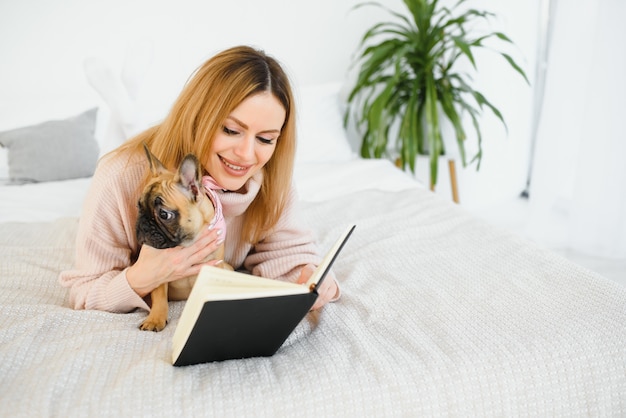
[218,220]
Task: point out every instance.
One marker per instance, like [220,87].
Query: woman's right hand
[155,267]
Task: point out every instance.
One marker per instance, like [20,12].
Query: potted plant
[409,78]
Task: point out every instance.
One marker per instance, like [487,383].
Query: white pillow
[321,135]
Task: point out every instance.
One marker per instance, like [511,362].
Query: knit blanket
[441,315]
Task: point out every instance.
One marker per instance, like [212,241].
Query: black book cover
[234,329]
[232,315]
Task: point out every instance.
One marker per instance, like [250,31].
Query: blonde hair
[215,89]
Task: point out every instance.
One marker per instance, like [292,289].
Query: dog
[173,209]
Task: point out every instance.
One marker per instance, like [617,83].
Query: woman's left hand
[327,292]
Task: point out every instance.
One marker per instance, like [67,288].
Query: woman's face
[246,140]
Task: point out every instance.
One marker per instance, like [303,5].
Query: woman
[237,115]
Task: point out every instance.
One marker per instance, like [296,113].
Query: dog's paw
[153,324]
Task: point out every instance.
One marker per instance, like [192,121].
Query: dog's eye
[166,215]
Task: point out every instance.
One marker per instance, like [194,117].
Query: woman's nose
[245,148]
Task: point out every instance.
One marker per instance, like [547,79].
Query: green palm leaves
[407,77]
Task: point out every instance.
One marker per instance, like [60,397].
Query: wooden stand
[453,183]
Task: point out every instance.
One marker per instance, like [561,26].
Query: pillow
[53,150]
[321,135]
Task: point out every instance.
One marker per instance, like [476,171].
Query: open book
[232,315]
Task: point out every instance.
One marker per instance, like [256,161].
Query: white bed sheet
[441,315]
[318,182]
[40,202]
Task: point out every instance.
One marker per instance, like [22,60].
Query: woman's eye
[228,131]
[265,140]
[166,215]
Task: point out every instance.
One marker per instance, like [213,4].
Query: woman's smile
[246,141]
[233,168]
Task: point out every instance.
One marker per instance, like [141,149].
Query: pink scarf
[218,220]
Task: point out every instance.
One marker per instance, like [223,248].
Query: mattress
[441,314]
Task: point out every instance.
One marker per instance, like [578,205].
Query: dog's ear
[190,174]
[156,167]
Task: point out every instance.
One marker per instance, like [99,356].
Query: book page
[217,277]
[328,260]
[219,284]
[230,293]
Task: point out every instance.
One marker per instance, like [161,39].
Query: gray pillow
[53,150]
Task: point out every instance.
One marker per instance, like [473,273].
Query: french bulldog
[174,207]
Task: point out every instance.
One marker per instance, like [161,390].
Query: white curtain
[578,181]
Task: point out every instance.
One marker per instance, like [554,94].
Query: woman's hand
[327,292]
[155,267]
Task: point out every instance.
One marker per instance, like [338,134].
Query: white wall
[43,44]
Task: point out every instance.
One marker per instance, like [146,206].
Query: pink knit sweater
[106,245]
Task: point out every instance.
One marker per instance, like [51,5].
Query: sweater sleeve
[289,247]
[106,243]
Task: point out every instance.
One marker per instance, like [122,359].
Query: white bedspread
[42,202]
[441,314]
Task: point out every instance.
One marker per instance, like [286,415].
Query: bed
[441,314]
